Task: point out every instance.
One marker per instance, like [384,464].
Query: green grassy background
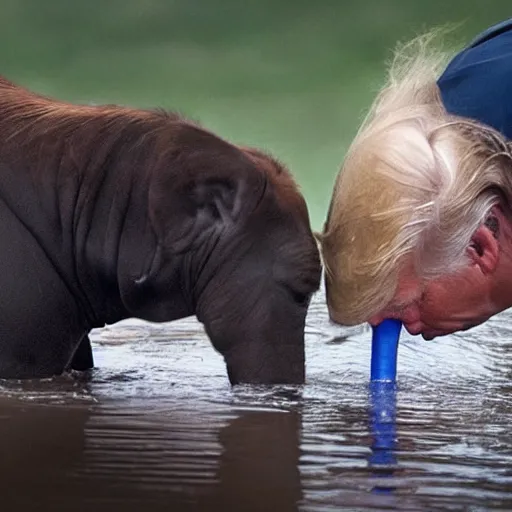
[292,76]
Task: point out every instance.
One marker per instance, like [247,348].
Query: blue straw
[385,350]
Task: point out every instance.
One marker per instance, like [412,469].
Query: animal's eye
[302,299]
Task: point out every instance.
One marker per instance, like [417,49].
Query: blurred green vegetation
[292,76]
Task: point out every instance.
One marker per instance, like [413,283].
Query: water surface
[157,427]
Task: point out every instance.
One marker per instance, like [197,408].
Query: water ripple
[156,425]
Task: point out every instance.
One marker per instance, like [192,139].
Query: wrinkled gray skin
[157,222]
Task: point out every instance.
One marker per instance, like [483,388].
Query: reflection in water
[102,457]
[204,461]
[41,446]
[383,430]
[157,427]
[258,467]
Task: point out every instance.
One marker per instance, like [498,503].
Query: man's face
[440,306]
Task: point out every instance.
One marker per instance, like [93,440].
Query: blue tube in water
[385,350]
[382,416]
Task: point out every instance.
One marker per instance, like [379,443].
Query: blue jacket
[478,82]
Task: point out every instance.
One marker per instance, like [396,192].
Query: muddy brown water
[157,427]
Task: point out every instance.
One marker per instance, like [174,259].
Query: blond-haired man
[420,222]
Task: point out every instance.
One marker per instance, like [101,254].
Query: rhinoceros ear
[184,219]
[204,196]
[215,201]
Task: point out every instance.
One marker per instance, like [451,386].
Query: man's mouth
[430,335]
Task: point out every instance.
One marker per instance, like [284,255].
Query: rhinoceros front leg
[83,359]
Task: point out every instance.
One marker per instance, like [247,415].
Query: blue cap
[385,350]
[477,83]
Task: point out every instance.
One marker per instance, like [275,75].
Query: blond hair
[416,181]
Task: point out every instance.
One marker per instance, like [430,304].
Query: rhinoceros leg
[41,320]
[83,359]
